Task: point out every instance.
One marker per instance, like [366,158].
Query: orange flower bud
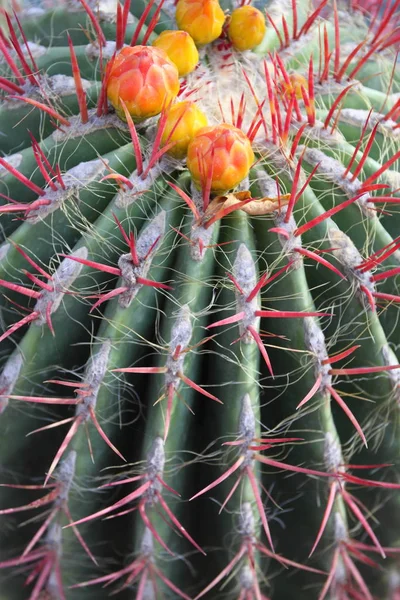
[184,120]
[296,83]
[180,49]
[202,19]
[246,28]
[145,79]
[223,152]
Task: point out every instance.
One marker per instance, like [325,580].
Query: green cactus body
[200,386]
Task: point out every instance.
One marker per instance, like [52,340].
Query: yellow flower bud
[222,152]
[202,19]
[297,81]
[184,120]
[180,49]
[246,28]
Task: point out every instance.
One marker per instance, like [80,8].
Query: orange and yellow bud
[180,48]
[202,19]
[184,120]
[246,28]
[145,79]
[222,152]
[296,83]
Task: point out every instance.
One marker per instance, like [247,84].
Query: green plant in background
[200,301]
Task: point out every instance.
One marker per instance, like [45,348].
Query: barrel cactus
[200,272]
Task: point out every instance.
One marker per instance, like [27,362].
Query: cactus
[200,301]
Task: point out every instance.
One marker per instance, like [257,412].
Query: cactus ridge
[200,374]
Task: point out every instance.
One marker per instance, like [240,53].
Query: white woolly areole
[270,188]
[182,330]
[340,575]
[63,85]
[14,160]
[85,172]
[147,544]
[199,235]
[105,10]
[361,29]
[53,540]
[246,431]
[155,467]
[154,230]
[392,178]
[155,459]
[289,244]
[77,129]
[358,117]
[53,537]
[32,12]
[53,586]
[393,582]
[333,454]
[95,372]
[74,179]
[92,50]
[148,591]
[169,8]
[35,49]
[341,534]
[97,366]
[247,422]
[146,246]
[318,132]
[181,334]
[348,255]
[244,185]
[297,47]
[244,271]
[62,279]
[334,88]
[315,342]
[65,475]
[246,578]
[4,248]
[246,520]
[279,161]
[390,359]
[51,88]
[196,79]
[8,377]
[334,171]
[142,184]
[279,8]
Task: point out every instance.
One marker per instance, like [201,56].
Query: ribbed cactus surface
[200,272]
